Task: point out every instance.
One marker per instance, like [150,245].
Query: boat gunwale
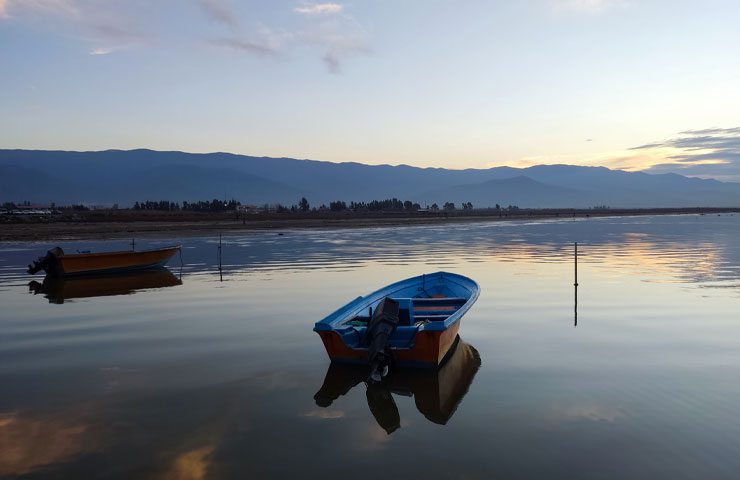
[362,302]
[119,252]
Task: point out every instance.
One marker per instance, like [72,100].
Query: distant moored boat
[57,263]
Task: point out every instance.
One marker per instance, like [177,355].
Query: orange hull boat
[57,263]
[429,349]
[421,330]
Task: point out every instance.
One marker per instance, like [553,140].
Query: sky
[631,84]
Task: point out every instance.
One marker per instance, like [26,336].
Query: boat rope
[424,286]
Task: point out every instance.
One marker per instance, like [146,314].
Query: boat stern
[428,350]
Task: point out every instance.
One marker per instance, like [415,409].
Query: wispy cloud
[713,131]
[100,51]
[586,6]
[710,152]
[337,53]
[101,24]
[110,26]
[11,8]
[331,60]
[220,12]
[117,33]
[324,27]
[108,37]
[244,46]
[318,8]
[338,36]
[706,153]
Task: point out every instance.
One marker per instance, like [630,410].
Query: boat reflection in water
[437,392]
[59,289]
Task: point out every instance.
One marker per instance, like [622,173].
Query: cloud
[336,37]
[101,24]
[331,60]
[706,153]
[109,26]
[116,33]
[718,140]
[626,160]
[110,37]
[100,51]
[217,10]
[711,152]
[585,6]
[38,7]
[318,8]
[711,131]
[244,46]
[336,54]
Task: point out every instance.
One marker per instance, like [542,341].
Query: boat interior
[418,305]
[417,311]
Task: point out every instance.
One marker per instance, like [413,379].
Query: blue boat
[415,321]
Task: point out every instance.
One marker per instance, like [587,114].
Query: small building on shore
[248,209]
[29,209]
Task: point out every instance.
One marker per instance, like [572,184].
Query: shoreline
[116,226]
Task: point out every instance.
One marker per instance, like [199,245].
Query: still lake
[196,373]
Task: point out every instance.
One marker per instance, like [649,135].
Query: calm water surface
[205,374]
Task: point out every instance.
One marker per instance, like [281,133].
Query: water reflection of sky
[211,379]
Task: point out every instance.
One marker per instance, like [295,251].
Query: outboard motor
[379,330]
[36,266]
[46,262]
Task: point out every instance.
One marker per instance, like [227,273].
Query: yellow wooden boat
[57,263]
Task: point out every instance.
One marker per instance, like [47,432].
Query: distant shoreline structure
[112,224]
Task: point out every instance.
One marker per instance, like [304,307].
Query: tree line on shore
[214,205]
[303,205]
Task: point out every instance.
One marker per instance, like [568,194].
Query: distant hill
[519,190]
[123,177]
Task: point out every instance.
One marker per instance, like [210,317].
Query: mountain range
[126,176]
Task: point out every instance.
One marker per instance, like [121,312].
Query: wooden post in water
[133,244]
[180,250]
[575,263]
[575,284]
[220,266]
